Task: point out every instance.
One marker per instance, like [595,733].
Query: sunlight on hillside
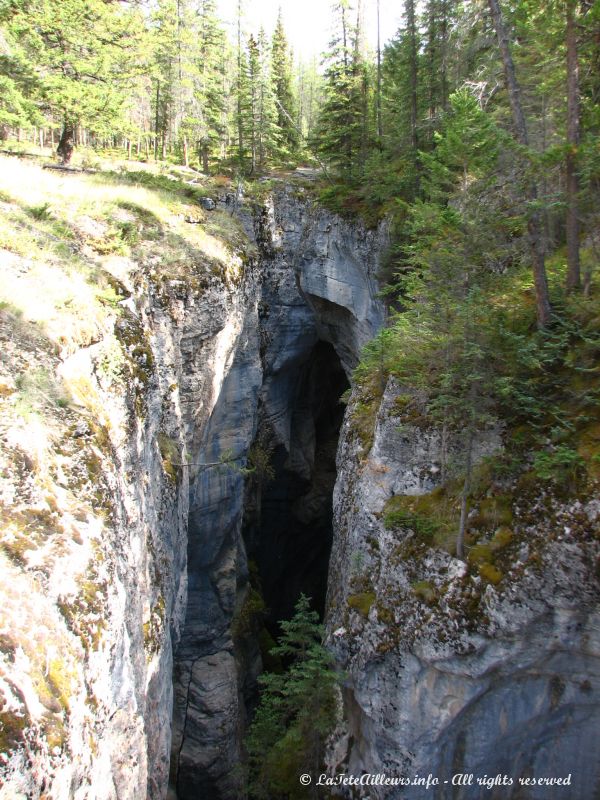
[64,237]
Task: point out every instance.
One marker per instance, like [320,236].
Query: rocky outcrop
[452,667]
[86,689]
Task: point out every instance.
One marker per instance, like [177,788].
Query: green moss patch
[490,573]
[170,454]
[362,602]
[433,516]
[425,591]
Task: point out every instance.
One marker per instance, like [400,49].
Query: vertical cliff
[291,336]
[485,667]
[175,392]
[114,298]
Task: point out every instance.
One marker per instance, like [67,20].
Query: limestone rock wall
[449,673]
[314,279]
[138,497]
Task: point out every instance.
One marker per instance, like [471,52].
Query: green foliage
[341,134]
[285,100]
[424,527]
[74,57]
[259,462]
[425,591]
[432,517]
[560,464]
[296,713]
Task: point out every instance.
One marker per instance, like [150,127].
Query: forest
[472,137]
[469,103]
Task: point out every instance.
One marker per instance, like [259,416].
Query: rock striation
[123,536]
[311,286]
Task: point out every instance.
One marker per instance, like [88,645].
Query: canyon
[228,463]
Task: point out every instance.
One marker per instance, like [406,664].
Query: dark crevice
[288,522]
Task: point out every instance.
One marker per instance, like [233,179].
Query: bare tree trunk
[186,159]
[573,268]
[412,32]
[66,143]
[205,158]
[379,117]
[460,538]
[534,222]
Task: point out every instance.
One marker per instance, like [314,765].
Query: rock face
[135,402]
[450,673]
[104,587]
[307,304]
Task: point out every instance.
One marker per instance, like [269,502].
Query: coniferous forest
[470,140]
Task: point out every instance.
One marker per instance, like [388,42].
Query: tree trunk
[240,121]
[573,268]
[186,159]
[534,222]
[444,25]
[379,117]
[460,538]
[156,120]
[66,143]
[412,32]
[205,159]
[432,44]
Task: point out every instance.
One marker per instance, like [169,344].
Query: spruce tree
[210,91]
[339,127]
[281,65]
[296,713]
[269,133]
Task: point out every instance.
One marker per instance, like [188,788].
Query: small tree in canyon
[296,713]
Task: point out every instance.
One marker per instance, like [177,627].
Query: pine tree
[441,343]
[296,713]
[339,129]
[73,59]
[209,94]
[168,71]
[402,99]
[281,65]
[252,103]
[544,310]
[573,141]
[309,98]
